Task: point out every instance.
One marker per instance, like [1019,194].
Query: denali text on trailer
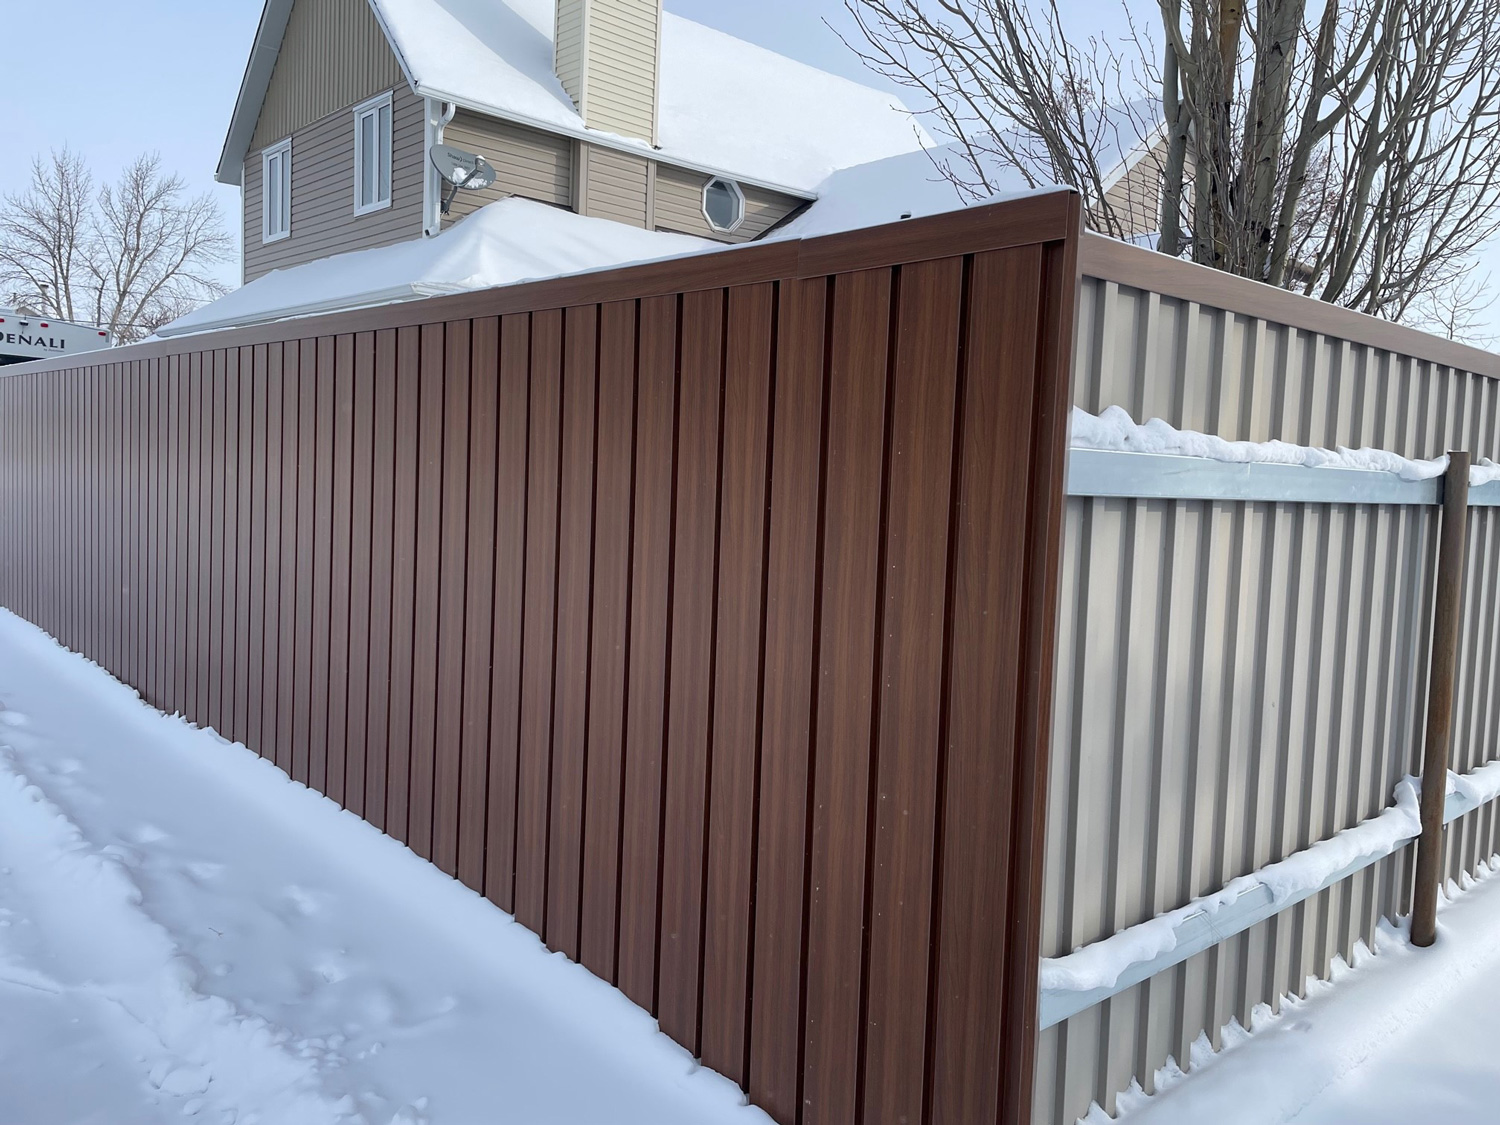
[24,337]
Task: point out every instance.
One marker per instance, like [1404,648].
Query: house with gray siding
[609,110]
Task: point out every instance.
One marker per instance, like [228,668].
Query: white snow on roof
[885,191]
[505,242]
[725,104]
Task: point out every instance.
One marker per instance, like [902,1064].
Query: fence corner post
[1446,622]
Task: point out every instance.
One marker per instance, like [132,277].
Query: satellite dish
[466,171]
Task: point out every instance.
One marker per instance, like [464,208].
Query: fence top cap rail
[1111,260]
[1033,219]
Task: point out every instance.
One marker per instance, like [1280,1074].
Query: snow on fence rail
[1111,456]
[1243,645]
[1088,976]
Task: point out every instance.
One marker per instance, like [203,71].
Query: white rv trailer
[24,337]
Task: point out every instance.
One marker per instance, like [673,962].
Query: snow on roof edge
[614,141]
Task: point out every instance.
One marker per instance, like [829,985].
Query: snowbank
[1399,1035]
[226,945]
[505,242]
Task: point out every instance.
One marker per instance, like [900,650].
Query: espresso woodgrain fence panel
[700,613]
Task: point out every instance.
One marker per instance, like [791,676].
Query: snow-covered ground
[1408,1036]
[184,931]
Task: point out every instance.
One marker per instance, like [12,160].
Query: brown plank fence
[700,613]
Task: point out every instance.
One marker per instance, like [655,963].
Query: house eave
[610,141]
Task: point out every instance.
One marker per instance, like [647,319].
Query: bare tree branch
[129,257]
[1348,148]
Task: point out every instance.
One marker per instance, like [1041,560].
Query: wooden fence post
[1446,622]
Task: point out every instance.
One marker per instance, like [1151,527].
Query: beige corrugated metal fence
[1236,681]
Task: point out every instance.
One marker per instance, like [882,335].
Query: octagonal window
[723,204]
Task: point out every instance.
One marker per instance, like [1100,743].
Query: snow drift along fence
[1238,680]
[700,612]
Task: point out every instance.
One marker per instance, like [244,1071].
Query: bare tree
[128,257]
[1349,149]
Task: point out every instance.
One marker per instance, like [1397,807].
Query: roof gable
[309,58]
[727,106]
[333,55]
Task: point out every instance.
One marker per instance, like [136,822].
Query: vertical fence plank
[292,616]
[246,435]
[846,684]
[265,410]
[996,412]
[211,556]
[448,745]
[472,802]
[184,424]
[910,708]
[229,456]
[737,664]
[341,566]
[512,487]
[539,631]
[615,470]
[320,620]
[191,563]
[791,621]
[690,720]
[429,548]
[403,580]
[361,551]
[275,524]
[307,558]
[645,722]
[383,554]
[575,548]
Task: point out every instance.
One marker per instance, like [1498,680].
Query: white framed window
[276,192]
[723,204]
[372,155]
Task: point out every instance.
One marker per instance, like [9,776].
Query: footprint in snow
[203,871]
[149,834]
[306,902]
[12,718]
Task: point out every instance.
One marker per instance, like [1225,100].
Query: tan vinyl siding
[528,163]
[679,206]
[1136,198]
[615,185]
[334,54]
[622,67]
[567,49]
[323,219]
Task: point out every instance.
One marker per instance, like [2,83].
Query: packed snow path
[1406,1036]
[183,931]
